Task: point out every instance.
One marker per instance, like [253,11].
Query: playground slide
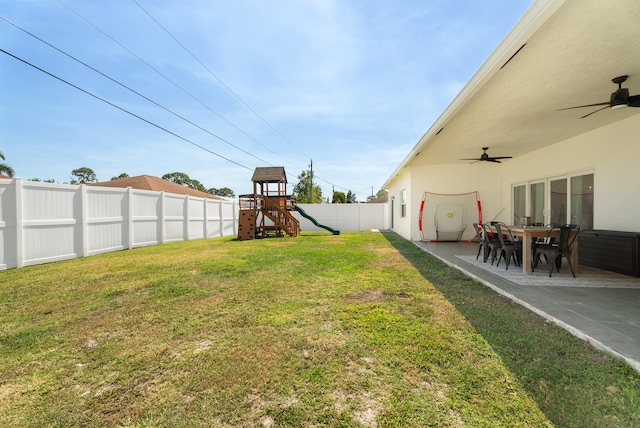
[314,221]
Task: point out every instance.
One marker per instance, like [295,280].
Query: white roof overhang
[562,53]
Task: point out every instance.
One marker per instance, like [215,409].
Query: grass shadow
[573,383]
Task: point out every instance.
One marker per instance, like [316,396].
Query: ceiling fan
[486,158]
[619,98]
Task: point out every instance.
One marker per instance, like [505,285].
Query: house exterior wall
[611,153]
[402,225]
[482,177]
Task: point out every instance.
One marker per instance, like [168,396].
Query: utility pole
[311,183]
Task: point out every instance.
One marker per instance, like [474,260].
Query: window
[519,204]
[557,200]
[537,203]
[403,203]
[582,201]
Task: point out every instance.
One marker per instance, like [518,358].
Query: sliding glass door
[537,198]
[557,200]
[582,188]
[519,204]
[557,214]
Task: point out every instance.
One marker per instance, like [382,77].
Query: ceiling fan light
[618,106]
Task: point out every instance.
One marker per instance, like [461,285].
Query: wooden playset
[267,211]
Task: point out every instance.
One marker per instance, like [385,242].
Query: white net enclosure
[449,217]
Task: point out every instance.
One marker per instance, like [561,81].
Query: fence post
[129,217]
[17,183]
[161,218]
[235,208]
[205,226]
[84,227]
[220,218]
[185,229]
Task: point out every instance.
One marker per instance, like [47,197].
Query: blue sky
[349,84]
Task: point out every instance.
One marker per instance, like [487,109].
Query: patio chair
[554,251]
[492,240]
[510,248]
[484,243]
[542,240]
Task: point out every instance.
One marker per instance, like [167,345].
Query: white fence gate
[44,222]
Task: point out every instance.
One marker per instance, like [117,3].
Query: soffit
[569,60]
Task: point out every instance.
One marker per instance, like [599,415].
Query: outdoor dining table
[527,233]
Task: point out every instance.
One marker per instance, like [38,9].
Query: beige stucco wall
[402,226]
[482,177]
[611,153]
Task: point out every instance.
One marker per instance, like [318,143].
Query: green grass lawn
[356,330]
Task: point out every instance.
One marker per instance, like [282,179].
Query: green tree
[177,177]
[184,180]
[120,177]
[83,175]
[4,168]
[223,191]
[195,184]
[339,198]
[302,190]
[351,197]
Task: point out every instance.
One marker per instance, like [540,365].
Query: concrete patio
[598,306]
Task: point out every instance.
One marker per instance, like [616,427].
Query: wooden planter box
[610,250]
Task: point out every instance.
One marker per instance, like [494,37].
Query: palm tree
[4,168]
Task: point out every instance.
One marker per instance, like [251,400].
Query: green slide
[314,221]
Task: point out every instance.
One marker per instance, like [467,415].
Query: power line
[188,93]
[132,90]
[123,109]
[166,77]
[194,97]
[220,80]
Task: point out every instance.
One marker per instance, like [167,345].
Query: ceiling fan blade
[500,157]
[587,115]
[586,105]
[474,159]
[633,101]
[494,160]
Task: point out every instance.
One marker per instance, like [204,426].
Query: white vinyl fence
[345,217]
[44,222]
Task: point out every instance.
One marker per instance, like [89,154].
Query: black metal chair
[555,250]
[492,240]
[510,248]
[484,243]
[543,240]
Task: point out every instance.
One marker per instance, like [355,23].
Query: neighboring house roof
[147,182]
[269,174]
[380,199]
[5,176]
[562,53]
